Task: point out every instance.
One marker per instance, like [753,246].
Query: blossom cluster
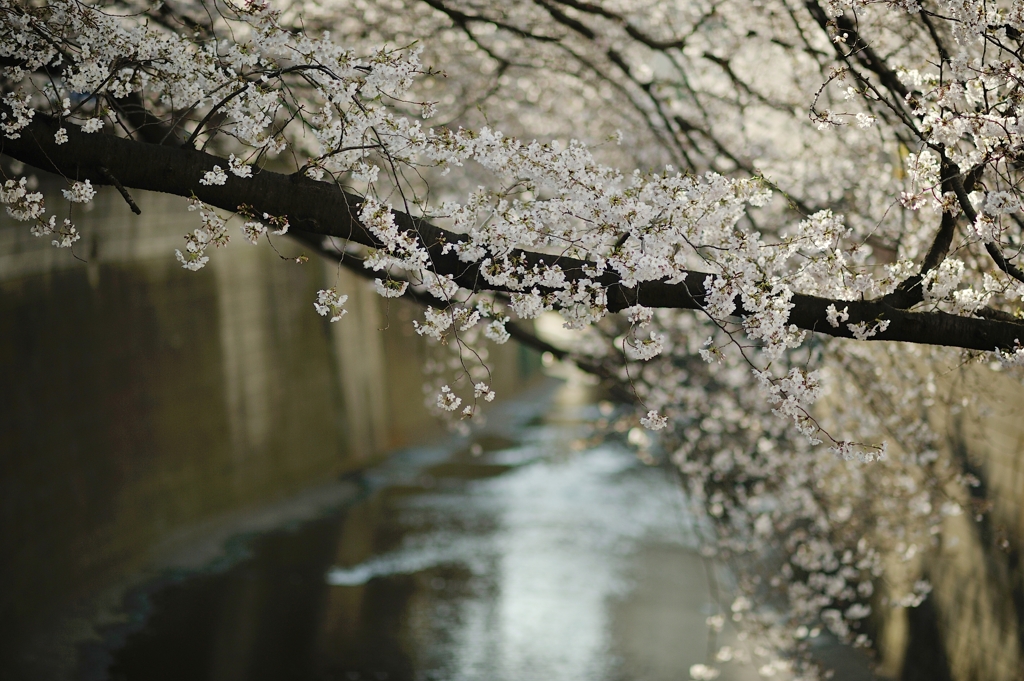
[212,232]
[330,303]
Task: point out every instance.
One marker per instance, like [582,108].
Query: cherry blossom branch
[519,332]
[993,250]
[321,208]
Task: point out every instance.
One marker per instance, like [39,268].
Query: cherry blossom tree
[729,203]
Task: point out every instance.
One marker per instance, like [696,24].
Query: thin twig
[120,187]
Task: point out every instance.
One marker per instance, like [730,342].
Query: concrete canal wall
[972,626]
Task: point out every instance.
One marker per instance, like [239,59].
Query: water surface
[516,555]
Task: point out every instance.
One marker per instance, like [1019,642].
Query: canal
[200,478]
[513,554]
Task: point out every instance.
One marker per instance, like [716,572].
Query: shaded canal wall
[972,625]
[138,399]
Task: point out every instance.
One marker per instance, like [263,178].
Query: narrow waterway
[511,555]
[191,487]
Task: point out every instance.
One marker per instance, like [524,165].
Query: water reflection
[524,562]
